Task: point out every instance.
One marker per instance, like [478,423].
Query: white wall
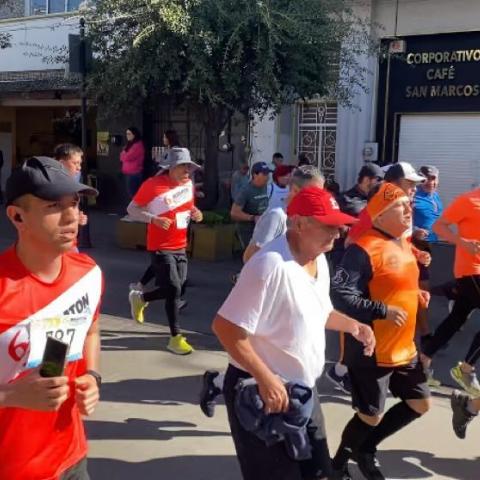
[356,125]
[31,36]
[263,136]
[423,17]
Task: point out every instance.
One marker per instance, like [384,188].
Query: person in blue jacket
[427,208]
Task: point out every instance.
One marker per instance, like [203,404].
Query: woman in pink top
[132,158]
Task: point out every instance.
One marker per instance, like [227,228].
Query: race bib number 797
[70,329]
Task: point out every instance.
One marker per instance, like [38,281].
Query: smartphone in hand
[54,358]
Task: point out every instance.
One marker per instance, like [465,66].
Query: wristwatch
[96,376]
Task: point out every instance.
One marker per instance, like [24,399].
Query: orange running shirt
[394,282]
[38,445]
[164,198]
[464,212]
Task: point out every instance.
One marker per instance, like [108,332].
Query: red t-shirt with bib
[37,445]
[162,197]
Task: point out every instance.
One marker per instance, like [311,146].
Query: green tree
[4,37]
[4,40]
[247,56]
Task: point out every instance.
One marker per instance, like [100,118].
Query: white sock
[340,369]
[218,380]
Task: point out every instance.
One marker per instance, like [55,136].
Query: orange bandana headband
[385,198]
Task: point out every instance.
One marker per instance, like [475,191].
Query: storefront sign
[435,74]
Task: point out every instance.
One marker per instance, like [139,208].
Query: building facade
[421,102]
[39,101]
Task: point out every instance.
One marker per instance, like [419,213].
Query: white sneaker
[135,287]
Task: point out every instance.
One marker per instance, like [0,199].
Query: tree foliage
[241,55]
[249,56]
[4,40]
[4,37]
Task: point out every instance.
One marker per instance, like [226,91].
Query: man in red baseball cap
[273,327]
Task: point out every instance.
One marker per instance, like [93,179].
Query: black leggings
[148,276]
[468,299]
[170,270]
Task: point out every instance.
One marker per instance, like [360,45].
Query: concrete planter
[131,234]
[212,242]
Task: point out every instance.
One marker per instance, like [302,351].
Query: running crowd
[375,240]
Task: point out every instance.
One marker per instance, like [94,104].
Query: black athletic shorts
[370,386]
[170,268]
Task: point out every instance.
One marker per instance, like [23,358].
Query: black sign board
[437,73]
[78,62]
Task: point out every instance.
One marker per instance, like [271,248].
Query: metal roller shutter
[450,142]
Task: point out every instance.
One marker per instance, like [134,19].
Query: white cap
[403,170]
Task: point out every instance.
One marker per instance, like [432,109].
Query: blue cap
[261,167]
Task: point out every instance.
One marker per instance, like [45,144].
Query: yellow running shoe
[137,305]
[468,381]
[179,345]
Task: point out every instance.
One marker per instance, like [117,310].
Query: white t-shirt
[284,310]
[277,196]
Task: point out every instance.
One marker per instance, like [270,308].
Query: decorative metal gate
[317,134]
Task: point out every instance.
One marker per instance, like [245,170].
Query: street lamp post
[84,240]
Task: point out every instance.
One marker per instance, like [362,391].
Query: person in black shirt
[351,202]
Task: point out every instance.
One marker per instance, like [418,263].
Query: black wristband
[96,376]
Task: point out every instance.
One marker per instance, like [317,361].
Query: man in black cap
[251,202]
[353,201]
[46,289]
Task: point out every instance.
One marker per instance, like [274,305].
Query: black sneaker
[369,466]
[209,393]
[343,474]
[342,383]
[461,416]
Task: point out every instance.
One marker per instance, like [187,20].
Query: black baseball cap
[44,178]
[261,167]
[371,170]
[429,171]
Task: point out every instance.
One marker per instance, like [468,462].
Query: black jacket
[350,295]
[352,202]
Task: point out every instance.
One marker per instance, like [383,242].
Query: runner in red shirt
[166,203]
[46,290]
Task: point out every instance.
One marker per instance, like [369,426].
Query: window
[44,7]
[38,7]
